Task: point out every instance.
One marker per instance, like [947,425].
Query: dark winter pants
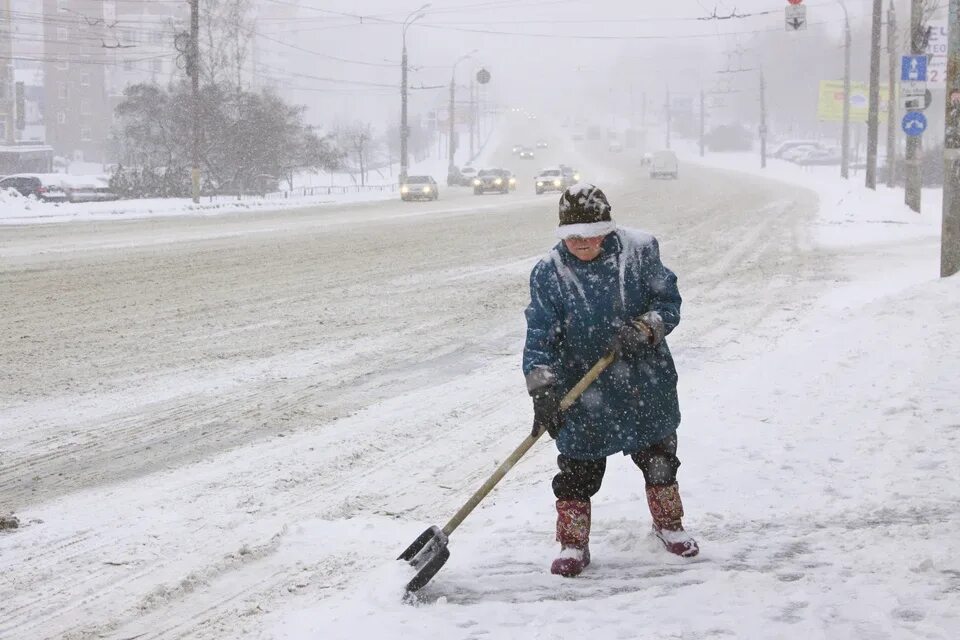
[581,479]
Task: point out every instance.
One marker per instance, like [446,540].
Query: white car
[665,164]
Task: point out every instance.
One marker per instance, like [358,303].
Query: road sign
[796,17]
[483,76]
[937,46]
[914,123]
[913,68]
[794,1]
[914,96]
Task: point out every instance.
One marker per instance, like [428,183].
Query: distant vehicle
[787,145]
[42,186]
[526,153]
[87,188]
[665,164]
[419,188]
[550,180]
[818,156]
[615,146]
[487,180]
[570,175]
[461,177]
[467,174]
[794,153]
[517,148]
[511,179]
[541,144]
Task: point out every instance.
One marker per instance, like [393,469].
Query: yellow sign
[830,107]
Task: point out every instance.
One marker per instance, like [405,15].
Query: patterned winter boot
[667,512]
[573,534]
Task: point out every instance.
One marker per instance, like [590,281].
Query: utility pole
[873,112]
[451,144]
[404,128]
[667,109]
[643,111]
[473,114]
[763,122]
[912,168]
[950,236]
[892,96]
[193,67]
[845,136]
[703,118]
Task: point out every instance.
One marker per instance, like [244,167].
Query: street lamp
[453,93]
[845,136]
[404,129]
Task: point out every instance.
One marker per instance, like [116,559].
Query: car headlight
[476,182]
[404,189]
[426,189]
[576,177]
[557,183]
[513,181]
[539,184]
[498,181]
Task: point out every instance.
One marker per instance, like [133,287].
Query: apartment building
[76,111]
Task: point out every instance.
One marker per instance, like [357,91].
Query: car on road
[526,153]
[517,148]
[665,164]
[419,188]
[497,180]
[467,174]
[549,180]
[570,175]
[541,144]
[42,186]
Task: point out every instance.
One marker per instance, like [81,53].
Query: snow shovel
[429,551]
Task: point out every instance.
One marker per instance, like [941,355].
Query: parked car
[665,164]
[419,188]
[787,145]
[42,186]
[526,153]
[794,153]
[87,188]
[818,156]
[497,180]
[549,180]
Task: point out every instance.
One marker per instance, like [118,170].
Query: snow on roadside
[850,214]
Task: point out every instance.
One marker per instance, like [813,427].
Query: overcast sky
[583,55]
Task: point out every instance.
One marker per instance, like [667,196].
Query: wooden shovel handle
[528,442]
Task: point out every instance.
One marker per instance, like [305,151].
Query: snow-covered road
[227,426]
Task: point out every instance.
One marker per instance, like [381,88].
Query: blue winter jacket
[575,310]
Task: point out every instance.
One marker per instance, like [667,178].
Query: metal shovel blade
[427,554]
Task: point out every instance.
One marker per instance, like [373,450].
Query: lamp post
[453,94]
[845,136]
[404,129]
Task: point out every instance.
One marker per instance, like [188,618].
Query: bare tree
[357,141]
[228,32]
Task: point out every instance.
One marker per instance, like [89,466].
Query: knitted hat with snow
[584,213]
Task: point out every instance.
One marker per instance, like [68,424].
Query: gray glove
[639,334]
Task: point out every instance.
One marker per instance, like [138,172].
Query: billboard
[830,105]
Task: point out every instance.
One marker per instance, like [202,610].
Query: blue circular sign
[914,123]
